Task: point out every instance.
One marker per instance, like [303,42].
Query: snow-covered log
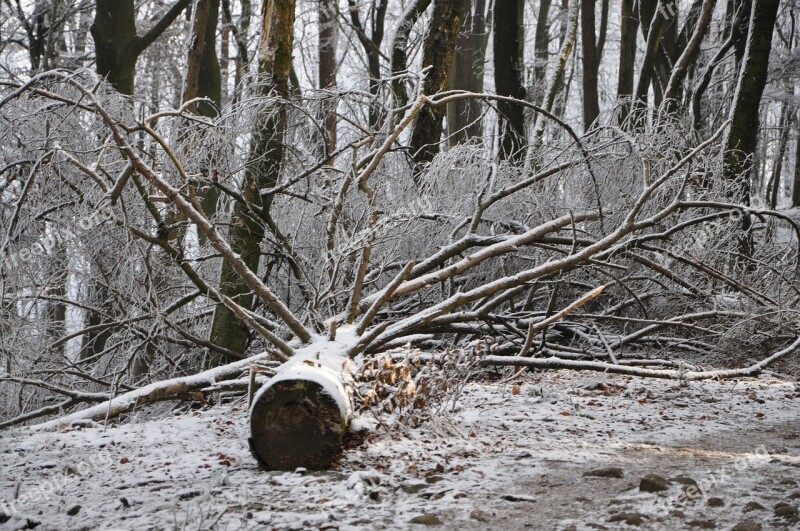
[299,417]
[155,392]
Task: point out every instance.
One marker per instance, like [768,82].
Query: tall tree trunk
[601,38]
[627,53]
[327,71]
[225,62]
[740,44]
[657,25]
[509,44]
[777,165]
[240,32]
[591,64]
[400,48]
[116,43]
[372,48]
[95,340]
[690,54]
[742,136]
[569,35]
[463,116]
[734,33]
[203,78]
[262,171]
[741,139]
[117,48]
[437,55]
[114,32]
[540,52]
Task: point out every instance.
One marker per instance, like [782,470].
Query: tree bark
[57,288]
[463,116]
[657,27]
[690,54]
[601,38]
[569,35]
[591,64]
[540,54]
[741,140]
[777,165]
[400,48]
[203,78]
[116,43]
[627,46]
[327,72]
[438,52]
[509,43]
[372,48]
[247,229]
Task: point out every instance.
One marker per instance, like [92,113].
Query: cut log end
[296,423]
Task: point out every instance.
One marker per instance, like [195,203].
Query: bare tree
[117,42]
[464,118]
[252,212]
[372,48]
[437,56]
[509,60]
[591,64]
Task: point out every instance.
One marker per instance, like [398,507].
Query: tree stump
[299,417]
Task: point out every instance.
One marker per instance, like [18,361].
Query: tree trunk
[203,78]
[569,35]
[540,54]
[657,27]
[741,140]
[601,39]
[299,417]
[114,33]
[463,116]
[627,54]
[372,48]
[438,51]
[116,43]
[591,64]
[262,171]
[327,72]
[509,61]
[777,165]
[742,137]
[400,48]
[94,341]
[690,54]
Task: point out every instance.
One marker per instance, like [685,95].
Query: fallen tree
[300,416]
[613,251]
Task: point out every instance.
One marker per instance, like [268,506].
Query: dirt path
[520,462]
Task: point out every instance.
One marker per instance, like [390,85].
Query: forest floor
[548,450]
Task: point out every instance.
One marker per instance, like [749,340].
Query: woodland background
[577,183]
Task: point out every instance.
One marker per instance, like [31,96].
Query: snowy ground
[524,460]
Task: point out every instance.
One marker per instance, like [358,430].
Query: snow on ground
[554,450]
